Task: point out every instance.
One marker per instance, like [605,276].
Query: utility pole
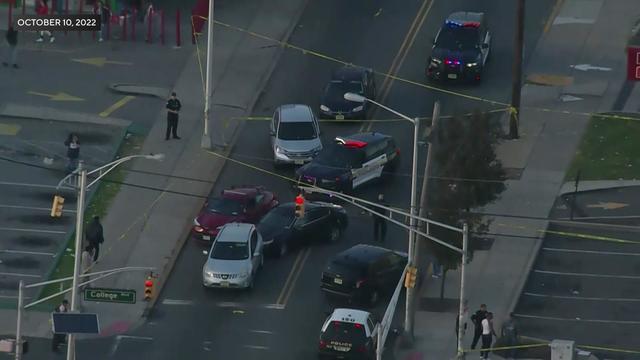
[19,324]
[410,300]
[516,75]
[463,270]
[82,173]
[206,138]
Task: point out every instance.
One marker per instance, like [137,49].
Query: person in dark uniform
[95,237]
[477,321]
[380,223]
[173,107]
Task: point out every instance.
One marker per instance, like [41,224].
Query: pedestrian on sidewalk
[173,107]
[465,313]
[105,15]
[59,338]
[487,335]
[95,236]
[73,151]
[42,9]
[477,322]
[87,262]
[12,40]
[379,222]
[509,334]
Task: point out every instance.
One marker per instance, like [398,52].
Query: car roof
[368,137]
[466,16]
[241,193]
[235,232]
[295,113]
[348,73]
[362,253]
[358,316]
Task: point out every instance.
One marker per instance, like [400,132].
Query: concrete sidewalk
[544,151]
[149,227]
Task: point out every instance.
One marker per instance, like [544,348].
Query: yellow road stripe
[9,129]
[120,103]
[295,279]
[552,16]
[285,288]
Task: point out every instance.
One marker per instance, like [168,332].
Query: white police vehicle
[348,334]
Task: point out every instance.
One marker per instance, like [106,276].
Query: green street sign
[110,295]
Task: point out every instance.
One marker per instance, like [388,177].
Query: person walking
[477,322]
[509,334]
[95,236]
[173,107]
[87,262]
[379,222]
[487,335]
[12,40]
[42,9]
[73,151]
[59,338]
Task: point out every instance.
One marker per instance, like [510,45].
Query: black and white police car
[351,162]
[348,334]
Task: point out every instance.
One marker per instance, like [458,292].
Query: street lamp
[408,319]
[82,187]
[205,143]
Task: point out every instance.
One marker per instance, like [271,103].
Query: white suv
[295,134]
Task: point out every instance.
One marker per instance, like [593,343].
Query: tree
[465,174]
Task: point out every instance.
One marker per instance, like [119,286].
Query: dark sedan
[281,229]
[347,79]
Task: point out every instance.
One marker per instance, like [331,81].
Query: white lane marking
[176,302]
[261,332]
[116,343]
[580,297]
[274,306]
[32,230]
[9,183]
[19,275]
[591,252]
[623,322]
[31,208]
[27,252]
[206,345]
[256,347]
[632,277]
[228,304]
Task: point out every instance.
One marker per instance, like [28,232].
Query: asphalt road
[281,318]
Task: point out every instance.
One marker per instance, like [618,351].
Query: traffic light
[410,278]
[299,206]
[148,287]
[56,208]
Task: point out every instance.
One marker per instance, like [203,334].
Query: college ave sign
[110,295]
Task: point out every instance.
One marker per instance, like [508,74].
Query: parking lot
[31,165]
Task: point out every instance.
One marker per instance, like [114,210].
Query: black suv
[347,79]
[351,162]
[363,272]
[461,48]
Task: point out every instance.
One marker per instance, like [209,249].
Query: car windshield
[297,131]
[339,88]
[277,218]
[457,38]
[224,206]
[230,251]
[347,268]
[340,157]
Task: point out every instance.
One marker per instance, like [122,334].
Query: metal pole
[410,300]
[19,321]
[463,268]
[78,255]
[517,71]
[380,347]
[206,139]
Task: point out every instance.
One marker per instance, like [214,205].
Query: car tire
[335,233]
[282,249]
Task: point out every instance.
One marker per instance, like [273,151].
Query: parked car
[347,79]
[246,204]
[282,230]
[295,135]
[363,273]
[351,162]
[234,258]
[461,48]
[348,334]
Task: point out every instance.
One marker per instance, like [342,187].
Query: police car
[351,161]
[348,334]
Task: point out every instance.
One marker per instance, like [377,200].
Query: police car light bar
[473,24]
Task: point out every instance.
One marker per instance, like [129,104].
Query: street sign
[110,295]
[75,323]
[633,63]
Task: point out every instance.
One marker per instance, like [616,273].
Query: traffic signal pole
[410,299]
[463,271]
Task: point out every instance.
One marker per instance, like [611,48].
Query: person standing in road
[58,338]
[509,333]
[95,236]
[73,152]
[477,322]
[173,107]
[487,335]
[42,9]
[379,222]
[12,40]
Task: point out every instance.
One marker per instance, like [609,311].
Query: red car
[246,204]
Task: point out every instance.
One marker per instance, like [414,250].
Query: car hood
[299,145]
[211,221]
[320,171]
[273,232]
[464,55]
[227,266]
[336,102]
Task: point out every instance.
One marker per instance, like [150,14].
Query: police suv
[348,334]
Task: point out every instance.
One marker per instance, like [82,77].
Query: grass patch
[99,205]
[609,150]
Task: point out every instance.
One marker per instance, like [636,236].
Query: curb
[136,89]
[52,114]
